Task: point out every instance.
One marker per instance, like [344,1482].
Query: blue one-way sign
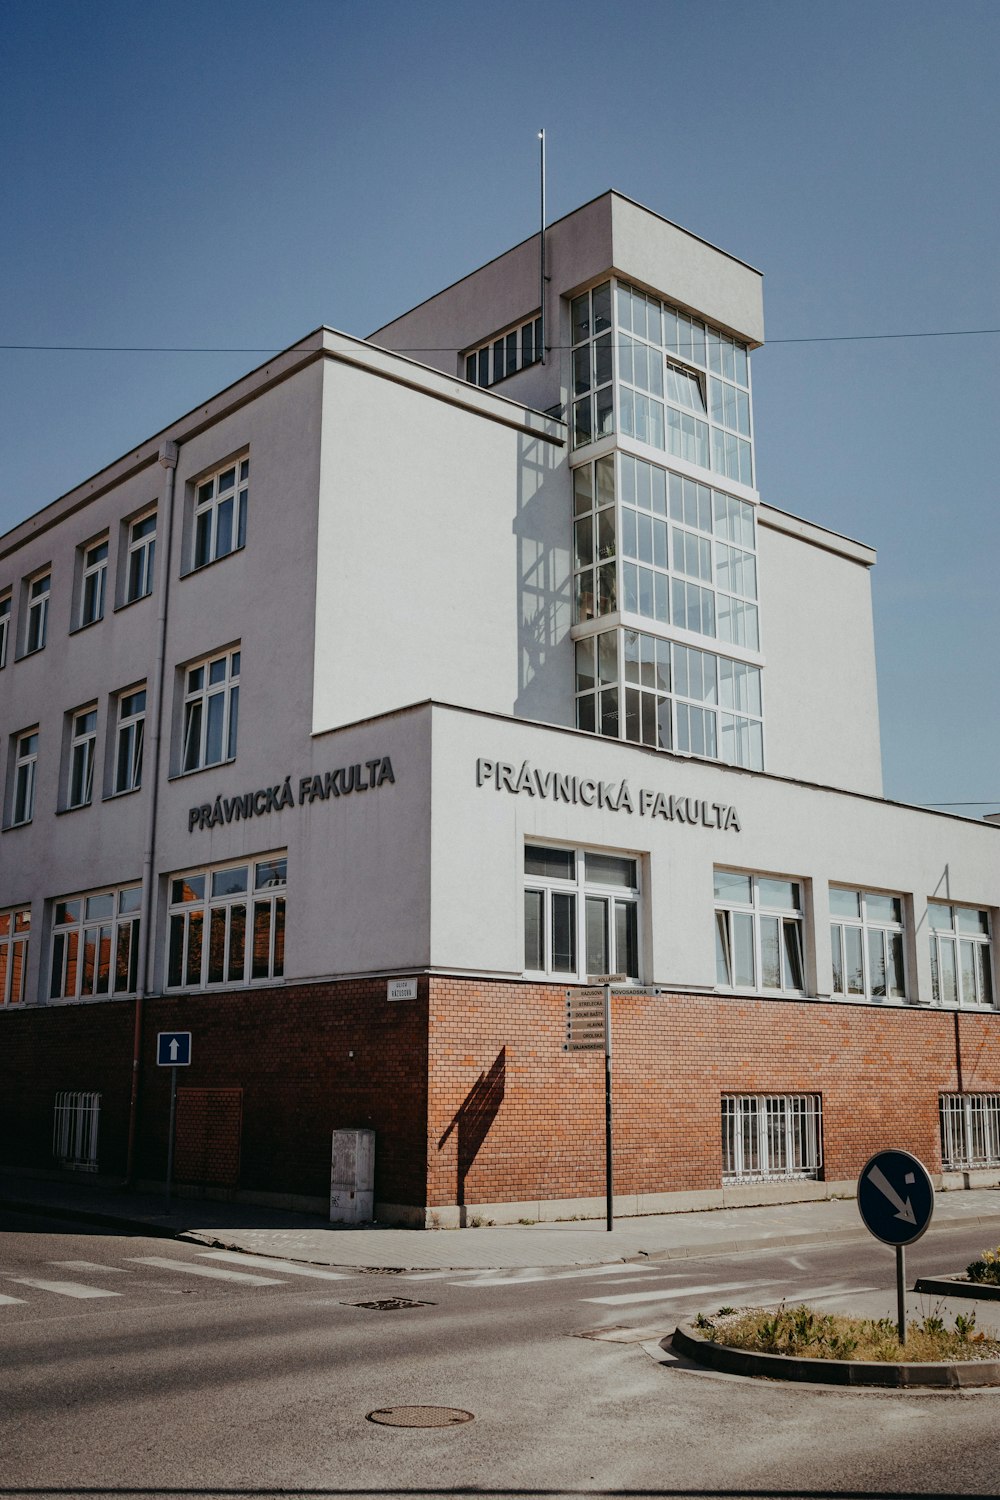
[173,1049]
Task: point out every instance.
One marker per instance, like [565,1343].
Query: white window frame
[766,922]
[15,933]
[202,911]
[22,808]
[211,691]
[771,1137]
[82,756]
[39,592]
[970,1131]
[93,581]
[217,495]
[504,353]
[6,602]
[140,558]
[579,895]
[94,944]
[126,771]
[974,989]
[870,926]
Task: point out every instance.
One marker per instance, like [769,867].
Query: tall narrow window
[758,933]
[227,926]
[961,965]
[129,741]
[211,711]
[95,944]
[141,555]
[866,936]
[82,749]
[4,628]
[220,513]
[581,912]
[39,590]
[93,582]
[15,927]
[25,762]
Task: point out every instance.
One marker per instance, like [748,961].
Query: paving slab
[306,1237]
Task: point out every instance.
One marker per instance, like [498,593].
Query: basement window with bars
[970,1131]
[771,1137]
[74,1130]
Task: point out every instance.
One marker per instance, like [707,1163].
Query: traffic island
[958,1286]
[702,1346]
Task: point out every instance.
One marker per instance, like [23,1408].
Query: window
[74,1130]
[211,711]
[593,366]
[39,590]
[25,761]
[15,927]
[95,944]
[220,513]
[227,926]
[866,936]
[4,628]
[581,913]
[140,558]
[129,740]
[93,582]
[970,1130]
[82,750]
[961,968]
[505,354]
[771,1137]
[758,933]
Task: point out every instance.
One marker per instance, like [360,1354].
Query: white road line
[89,1265]
[293,1268]
[63,1288]
[9,1301]
[443,1275]
[537,1273]
[217,1273]
[765,1290]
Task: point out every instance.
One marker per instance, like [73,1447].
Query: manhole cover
[420,1416]
[389,1304]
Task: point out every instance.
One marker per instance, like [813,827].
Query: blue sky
[230,174]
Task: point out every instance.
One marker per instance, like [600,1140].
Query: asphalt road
[126,1370]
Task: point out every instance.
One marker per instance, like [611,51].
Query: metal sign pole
[170,1129]
[901,1292]
[608,1154]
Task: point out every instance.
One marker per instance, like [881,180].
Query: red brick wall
[879,1073]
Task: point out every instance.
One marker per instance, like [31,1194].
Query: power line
[834,338]
[983,802]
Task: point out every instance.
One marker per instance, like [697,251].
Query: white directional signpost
[896,1202]
[173,1051]
[588,1029]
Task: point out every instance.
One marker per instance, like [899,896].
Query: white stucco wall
[820,693]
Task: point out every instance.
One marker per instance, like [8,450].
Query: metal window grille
[74,1131]
[771,1137]
[970,1130]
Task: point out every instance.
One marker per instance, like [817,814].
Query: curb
[91,1216]
[957,1286]
[955,1375]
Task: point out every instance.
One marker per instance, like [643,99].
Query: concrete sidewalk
[293,1236]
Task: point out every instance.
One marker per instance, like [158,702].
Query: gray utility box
[352,1177]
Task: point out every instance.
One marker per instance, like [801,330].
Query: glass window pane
[770,954]
[972,921]
[844,903]
[217,945]
[596,918]
[723,949]
[610,869]
[261,958]
[778,895]
[554,864]
[882,908]
[949,972]
[742,927]
[792,964]
[730,887]
[876,964]
[237,941]
[534,930]
[854,960]
[563,932]
[229,882]
[193,971]
[626,939]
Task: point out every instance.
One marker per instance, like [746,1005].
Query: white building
[427,656]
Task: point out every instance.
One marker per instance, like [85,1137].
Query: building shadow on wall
[472,1122]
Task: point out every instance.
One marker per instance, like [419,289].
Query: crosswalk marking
[288,1267]
[89,1265]
[9,1301]
[63,1288]
[539,1273]
[715,1289]
[216,1272]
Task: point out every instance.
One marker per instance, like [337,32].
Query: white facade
[408,598]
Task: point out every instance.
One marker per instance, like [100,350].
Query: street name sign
[895,1197]
[173,1049]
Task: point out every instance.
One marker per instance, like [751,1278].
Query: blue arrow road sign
[173,1049]
[895,1197]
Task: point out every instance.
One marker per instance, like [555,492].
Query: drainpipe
[154,720]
